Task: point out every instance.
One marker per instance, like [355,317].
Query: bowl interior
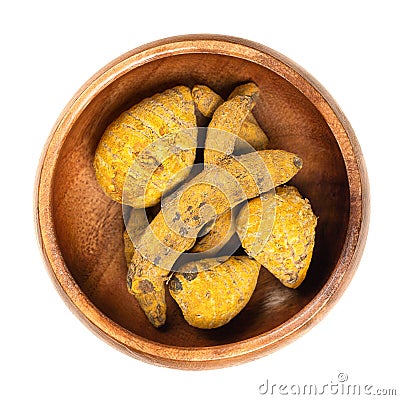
[89,226]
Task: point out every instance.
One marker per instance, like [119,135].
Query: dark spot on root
[297,161]
[175,285]
[302,257]
[157,319]
[158,308]
[129,280]
[145,286]
[291,277]
[157,260]
[190,275]
[203,203]
[177,217]
[183,231]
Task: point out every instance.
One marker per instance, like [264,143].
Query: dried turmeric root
[251,132]
[211,292]
[207,102]
[278,230]
[221,232]
[135,224]
[232,125]
[225,134]
[224,128]
[233,180]
[187,210]
[152,127]
[227,119]
[155,252]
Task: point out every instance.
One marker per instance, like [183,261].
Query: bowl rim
[232,353]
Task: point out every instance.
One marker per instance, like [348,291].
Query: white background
[49,49]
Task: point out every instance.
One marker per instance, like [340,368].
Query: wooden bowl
[80,229]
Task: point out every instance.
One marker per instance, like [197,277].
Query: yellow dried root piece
[247,89]
[187,210]
[135,226]
[278,230]
[147,283]
[137,222]
[161,120]
[129,248]
[231,126]
[211,292]
[154,253]
[207,101]
[224,128]
[233,180]
[250,131]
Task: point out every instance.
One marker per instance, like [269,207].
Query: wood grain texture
[80,229]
